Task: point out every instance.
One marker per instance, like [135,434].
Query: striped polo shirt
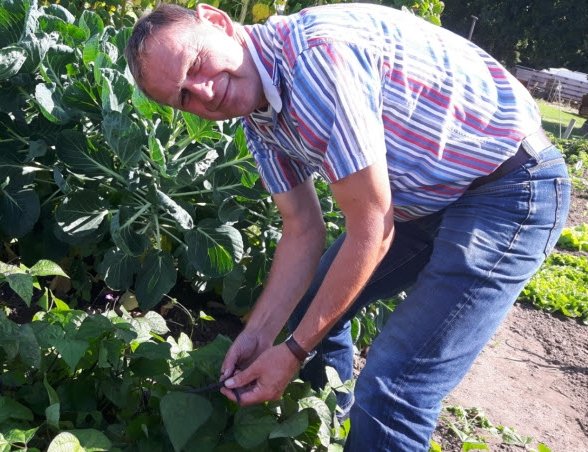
[349,82]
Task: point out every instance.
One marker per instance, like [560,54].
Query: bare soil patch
[532,377]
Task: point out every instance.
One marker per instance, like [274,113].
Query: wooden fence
[552,87]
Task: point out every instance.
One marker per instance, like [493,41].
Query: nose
[201,88]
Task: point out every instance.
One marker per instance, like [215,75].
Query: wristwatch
[302,355]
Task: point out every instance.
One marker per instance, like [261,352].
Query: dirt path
[533,377]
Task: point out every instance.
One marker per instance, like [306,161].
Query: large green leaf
[82,97]
[71,350]
[36,47]
[46,267]
[12,59]
[125,137]
[214,248]
[72,150]
[18,202]
[49,100]
[22,284]
[122,231]
[156,277]
[189,174]
[116,90]
[321,410]
[153,351]
[91,50]
[83,440]
[28,346]
[200,129]
[13,15]
[68,32]
[91,23]
[253,426]
[149,109]
[208,359]
[293,426]
[60,12]
[81,213]
[60,57]
[182,415]
[174,210]
[11,409]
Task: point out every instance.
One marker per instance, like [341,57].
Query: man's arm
[295,261]
[365,199]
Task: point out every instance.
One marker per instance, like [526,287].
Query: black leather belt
[531,146]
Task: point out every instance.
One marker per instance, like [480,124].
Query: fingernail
[230,383]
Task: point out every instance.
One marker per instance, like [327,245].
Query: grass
[556,117]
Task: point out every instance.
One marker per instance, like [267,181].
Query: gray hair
[146,27]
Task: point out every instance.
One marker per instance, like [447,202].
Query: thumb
[242,378]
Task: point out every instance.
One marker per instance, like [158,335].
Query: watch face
[311,355]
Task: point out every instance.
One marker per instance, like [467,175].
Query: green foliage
[430,10]
[574,238]
[23,280]
[135,191]
[510,31]
[73,381]
[561,285]
[575,152]
[368,323]
[472,427]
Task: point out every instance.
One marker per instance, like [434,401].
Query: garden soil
[532,377]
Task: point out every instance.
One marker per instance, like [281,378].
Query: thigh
[489,243]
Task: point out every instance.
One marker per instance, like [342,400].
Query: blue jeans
[462,268]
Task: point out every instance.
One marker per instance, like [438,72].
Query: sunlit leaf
[182,415]
[214,248]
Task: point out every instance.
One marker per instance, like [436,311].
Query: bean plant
[113,381]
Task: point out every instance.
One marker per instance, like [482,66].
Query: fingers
[253,385]
[228,366]
[241,353]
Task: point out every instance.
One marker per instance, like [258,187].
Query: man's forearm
[348,275]
[294,265]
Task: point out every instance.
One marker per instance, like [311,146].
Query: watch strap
[296,349]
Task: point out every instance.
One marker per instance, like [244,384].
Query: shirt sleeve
[337,102]
[279,173]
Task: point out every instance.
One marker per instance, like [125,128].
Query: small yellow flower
[260,12]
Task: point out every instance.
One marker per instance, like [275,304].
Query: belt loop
[530,149]
[535,143]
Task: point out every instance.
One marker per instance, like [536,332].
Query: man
[435,155]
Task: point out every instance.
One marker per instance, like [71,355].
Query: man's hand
[246,348]
[265,379]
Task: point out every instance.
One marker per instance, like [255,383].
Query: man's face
[203,69]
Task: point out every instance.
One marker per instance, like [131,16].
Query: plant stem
[202,192]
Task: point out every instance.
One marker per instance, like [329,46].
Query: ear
[216,17]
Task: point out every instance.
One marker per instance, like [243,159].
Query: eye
[195,67]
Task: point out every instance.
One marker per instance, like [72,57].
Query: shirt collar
[269,89]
